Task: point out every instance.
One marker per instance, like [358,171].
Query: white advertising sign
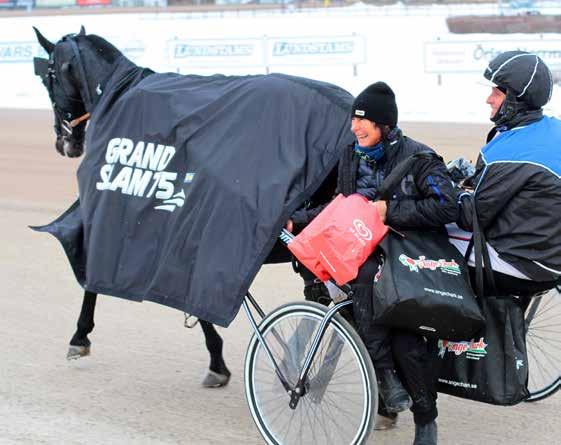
[215,52]
[20,52]
[328,50]
[473,56]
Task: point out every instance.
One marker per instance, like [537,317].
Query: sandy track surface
[142,383]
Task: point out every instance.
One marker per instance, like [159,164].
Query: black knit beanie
[377,104]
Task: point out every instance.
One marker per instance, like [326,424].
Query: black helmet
[523,74]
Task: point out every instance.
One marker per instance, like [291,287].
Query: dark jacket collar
[519,120]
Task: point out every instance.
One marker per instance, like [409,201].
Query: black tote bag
[423,286]
[493,366]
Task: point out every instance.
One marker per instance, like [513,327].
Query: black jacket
[424,199]
[518,198]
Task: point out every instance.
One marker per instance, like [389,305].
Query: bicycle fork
[299,390]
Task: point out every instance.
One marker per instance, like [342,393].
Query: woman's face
[367,132]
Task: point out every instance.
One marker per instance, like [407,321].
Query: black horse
[74,74]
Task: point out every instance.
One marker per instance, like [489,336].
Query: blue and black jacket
[518,197]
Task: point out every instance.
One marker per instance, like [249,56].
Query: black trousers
[418,368]
[409,354]
[376,338]
[413,357]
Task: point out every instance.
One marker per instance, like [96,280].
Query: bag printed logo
[446,266]
[143,173]
[361,231]
[474,350]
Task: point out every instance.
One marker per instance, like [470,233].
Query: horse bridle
[66,121]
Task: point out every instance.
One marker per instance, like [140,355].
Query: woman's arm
[437,204]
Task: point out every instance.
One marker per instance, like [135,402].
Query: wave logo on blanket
[450,267]
[142,172]
[474,350]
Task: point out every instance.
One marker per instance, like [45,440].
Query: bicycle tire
[306,424]
[543,343]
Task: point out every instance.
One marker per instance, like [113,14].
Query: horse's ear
[82,31]
[48,46]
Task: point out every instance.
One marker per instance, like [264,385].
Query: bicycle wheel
[341,395]
[543,342]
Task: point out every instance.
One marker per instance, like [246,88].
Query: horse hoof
[76,352]
[215,380]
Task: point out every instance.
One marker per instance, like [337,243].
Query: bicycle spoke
[312,418]
[546,356]
[340,409]
[537,320]
[537,364]
[545,373]
[546,328]
[538,338]
[335,418]
[545,305]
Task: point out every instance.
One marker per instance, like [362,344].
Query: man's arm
[494,188]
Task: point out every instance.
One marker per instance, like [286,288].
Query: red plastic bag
[349,237]
[300,245]
[340,239]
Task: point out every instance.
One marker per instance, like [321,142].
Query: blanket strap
[74,122]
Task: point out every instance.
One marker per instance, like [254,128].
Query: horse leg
[80,343]
[218,374]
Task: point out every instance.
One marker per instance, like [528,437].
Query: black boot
[384,420]
[425,434]
[392,392]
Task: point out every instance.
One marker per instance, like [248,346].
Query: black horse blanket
[187,181]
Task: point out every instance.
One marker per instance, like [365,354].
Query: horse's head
[62,74]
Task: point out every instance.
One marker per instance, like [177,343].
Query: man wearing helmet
[517,183]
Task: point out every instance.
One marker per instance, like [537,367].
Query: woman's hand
[289,225]
[382,208]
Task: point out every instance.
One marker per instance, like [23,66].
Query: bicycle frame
[300,389]
[260,338]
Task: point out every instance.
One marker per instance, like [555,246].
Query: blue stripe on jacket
[436,189]
[538,143]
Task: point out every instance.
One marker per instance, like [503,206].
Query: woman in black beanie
[424,200]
